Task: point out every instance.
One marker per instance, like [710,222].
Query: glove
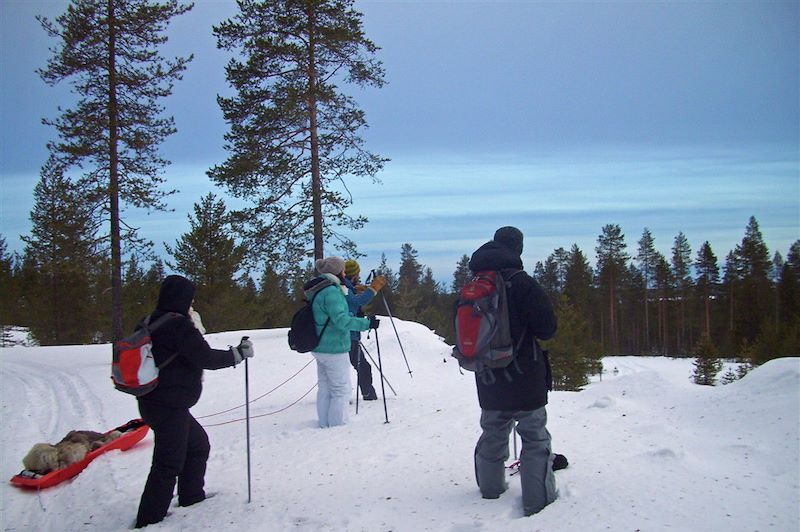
[242,351]
[360,288]
[378,283]
[374,322]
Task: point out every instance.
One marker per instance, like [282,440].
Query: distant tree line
[630,303]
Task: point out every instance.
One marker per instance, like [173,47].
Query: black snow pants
[181,451]
[363,369]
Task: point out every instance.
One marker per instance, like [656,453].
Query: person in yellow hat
[357,297]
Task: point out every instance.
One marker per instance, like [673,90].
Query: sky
[647,448]
[556,117]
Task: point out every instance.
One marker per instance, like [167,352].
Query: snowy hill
[648,449]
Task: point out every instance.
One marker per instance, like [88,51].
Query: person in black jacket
[181,444]
[517,393]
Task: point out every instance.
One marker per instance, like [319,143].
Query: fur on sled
[45,457]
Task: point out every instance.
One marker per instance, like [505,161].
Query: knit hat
[334,265]
[351,268]
[510,237]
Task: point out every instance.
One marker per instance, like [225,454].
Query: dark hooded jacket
[180,381]
[524,384]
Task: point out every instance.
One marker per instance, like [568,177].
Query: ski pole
[358,373]
[383,377]
[515,442]
[380,370]
[391,319]
[247,417]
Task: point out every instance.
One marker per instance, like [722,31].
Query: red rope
[267,414]
[260,396]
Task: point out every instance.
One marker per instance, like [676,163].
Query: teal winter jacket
[331,303]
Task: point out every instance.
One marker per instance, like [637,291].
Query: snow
[648,449]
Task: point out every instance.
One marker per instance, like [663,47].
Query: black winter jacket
[180,381]
[524,384]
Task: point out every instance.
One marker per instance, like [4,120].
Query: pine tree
[136,302]
[731,281]
[209,255]
[410,271]
[664,283]
[573,352]
[578,281]
[462,274]
[681,263]
[553,274]
[294,134]
[706,365]
[108,49]
[793,258]
[61,250]
[8,291]
[707,279]
[611,266]
[728,377]
[775,277]
[646,256]
[274,302]
[755,301]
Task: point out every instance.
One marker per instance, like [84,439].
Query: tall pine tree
[755,300]
[646,256]
[62,249]
[681,263]
[707,278]
[611,266]
[209,255]
[294,133]
[108,49]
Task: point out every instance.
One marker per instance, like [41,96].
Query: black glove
[374,322]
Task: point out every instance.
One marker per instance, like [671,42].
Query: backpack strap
[158,323]
[311,304]
[525,330]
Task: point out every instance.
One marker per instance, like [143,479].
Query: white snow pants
[333,388]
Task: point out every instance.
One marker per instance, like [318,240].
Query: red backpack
[483,332]
[133,368]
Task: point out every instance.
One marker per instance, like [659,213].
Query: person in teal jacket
[334,323]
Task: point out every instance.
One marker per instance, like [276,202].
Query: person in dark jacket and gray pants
[181,444]
[517,393]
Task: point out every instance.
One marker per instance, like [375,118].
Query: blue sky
[556,117]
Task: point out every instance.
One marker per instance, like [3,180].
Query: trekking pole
[358,373]
[391,319]
[515,442]
[383,377]
[380,370]
[247,417]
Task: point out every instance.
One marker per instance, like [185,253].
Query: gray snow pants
[536,458]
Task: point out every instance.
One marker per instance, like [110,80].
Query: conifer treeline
[634,301]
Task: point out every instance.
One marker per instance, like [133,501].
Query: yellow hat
[351,268]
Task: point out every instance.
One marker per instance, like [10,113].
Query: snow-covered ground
[648,449]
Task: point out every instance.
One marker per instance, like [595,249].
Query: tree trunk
[646,318]
[613,318]
[113,181]
[316,180]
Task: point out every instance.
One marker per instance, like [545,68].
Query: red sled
[132,433]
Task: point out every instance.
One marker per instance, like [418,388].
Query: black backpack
[303,335]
